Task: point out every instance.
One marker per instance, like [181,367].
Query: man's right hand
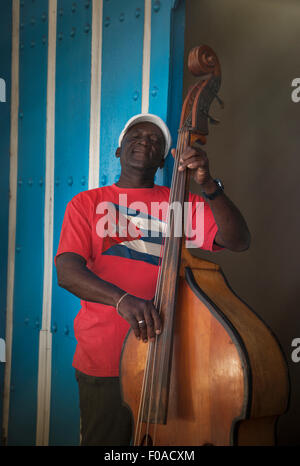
[142,316]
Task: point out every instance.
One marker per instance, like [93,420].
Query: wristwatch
[219,190]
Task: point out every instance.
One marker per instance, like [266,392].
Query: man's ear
[118,152]
[162,163]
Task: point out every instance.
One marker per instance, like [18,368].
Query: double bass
[216,374]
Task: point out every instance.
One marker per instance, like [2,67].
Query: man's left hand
[196,160]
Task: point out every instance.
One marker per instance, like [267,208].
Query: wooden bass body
[229,379]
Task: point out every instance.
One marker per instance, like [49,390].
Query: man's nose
[144,140]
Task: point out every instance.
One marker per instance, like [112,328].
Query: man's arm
[74,276]
[233,232]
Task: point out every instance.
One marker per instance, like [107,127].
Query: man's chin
[137,155]
[142,165]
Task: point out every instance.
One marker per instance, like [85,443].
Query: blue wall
[72,122]
[121,91]
[29,258]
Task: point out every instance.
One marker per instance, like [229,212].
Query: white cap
[156,120]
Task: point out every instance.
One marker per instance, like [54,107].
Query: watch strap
[213,195]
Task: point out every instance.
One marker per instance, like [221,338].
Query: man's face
[143,147]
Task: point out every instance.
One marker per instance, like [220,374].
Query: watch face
[219,183]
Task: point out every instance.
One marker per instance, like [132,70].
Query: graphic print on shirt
[130,233]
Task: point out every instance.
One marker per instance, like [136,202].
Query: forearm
[74,276]
[233,232]
[84,284]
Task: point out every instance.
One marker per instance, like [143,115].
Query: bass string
[178,177]
[149,358]
[178,192]
[152,347]
[150,352]
[166,246]
[178,182]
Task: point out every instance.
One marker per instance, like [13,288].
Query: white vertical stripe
[45,344]
[95,106]
[12,207]
[2,90]
[146,57]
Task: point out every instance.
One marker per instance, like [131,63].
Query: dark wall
[255,151]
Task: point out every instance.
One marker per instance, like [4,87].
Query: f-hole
[147,441]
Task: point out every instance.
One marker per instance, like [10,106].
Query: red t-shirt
[120,232]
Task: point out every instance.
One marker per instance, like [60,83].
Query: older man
[108,257]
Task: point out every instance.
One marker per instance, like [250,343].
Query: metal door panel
[28,286]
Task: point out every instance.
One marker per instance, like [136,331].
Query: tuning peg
[220,101]
[213,121]
[222,105]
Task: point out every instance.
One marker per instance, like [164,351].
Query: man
[115,274]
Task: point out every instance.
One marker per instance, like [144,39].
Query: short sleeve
[201,228]
[76,231]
